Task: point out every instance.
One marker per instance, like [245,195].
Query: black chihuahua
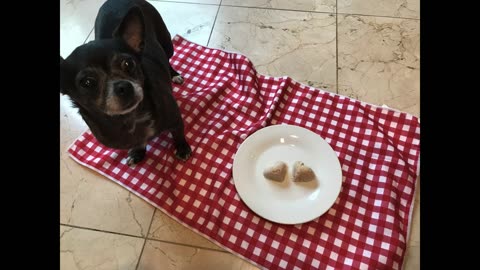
[121,81]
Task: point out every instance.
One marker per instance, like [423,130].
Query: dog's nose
[123,88]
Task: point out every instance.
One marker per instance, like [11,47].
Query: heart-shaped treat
[276,172]
[302,173]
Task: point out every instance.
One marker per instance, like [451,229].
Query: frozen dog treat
[276,172]
[302,173]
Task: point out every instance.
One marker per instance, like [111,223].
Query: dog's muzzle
[123,89]
[123,97]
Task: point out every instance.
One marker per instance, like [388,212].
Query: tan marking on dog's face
[95,85]
[115,105]
[90,83]
[123,68]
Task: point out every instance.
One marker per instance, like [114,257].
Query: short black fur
[121,81]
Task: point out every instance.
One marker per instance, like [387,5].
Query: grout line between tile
[98,230]
[286,9]
[381,16]
[214,22]
[91,31]
[282,9]
[323,12]
[145,239]
[187,245]
[336,44]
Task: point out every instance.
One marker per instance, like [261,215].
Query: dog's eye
[128,64]
[88,82]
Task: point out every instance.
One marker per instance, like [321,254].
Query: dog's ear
[63,74]
[132,29]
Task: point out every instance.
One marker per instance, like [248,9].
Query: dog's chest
[142,126]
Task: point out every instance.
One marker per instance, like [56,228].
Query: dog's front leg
[183,150]
[136,154]
[176,77]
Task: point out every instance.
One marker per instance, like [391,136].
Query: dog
[121,82]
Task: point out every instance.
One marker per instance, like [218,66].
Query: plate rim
[289,126]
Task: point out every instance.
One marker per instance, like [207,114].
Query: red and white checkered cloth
[223,101]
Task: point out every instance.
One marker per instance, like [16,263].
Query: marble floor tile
[161,256]
[379,61]
[77,18]
[415,226]
[85,249]
[88,199]
[167,229]
[389,8]
[191,21]
[311,5]
[412,258]
[417,192]
[298,44]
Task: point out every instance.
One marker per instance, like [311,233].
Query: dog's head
[105,76]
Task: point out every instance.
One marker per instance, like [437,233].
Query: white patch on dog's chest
[143,118]
[150,130]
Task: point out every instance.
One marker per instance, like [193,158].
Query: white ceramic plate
[287,202]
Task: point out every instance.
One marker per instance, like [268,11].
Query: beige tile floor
[365,49]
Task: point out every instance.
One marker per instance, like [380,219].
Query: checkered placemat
[223,101]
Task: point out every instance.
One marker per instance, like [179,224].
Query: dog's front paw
[135,156]
[178,79]
[183,152]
